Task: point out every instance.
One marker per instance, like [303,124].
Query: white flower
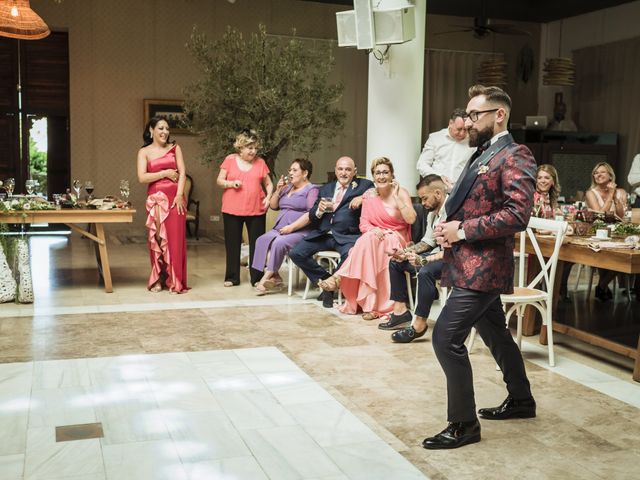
[483,169]
[26,206]
[354,184]
[15,203]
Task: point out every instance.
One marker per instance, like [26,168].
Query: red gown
[170,256]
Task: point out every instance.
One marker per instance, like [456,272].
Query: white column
[394,115]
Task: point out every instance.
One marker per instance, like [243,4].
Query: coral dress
[169,257]
[365,280]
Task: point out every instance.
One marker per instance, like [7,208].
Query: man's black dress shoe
[510,408]
[395,321]
[407,335]
[327,299]
[457,434]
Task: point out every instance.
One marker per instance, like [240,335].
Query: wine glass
[9,185]
[88,186]
[124,190]
[77,186]
[30,185]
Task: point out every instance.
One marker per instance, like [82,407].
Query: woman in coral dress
[294,199]
[161,166]
[387,215]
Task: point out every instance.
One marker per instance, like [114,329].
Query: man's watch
[460,232]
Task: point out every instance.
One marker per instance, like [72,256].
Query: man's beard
[479,137]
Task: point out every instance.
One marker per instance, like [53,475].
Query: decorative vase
[7,282]
[25,286]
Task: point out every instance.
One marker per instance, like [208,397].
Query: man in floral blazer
[491,201]
[335,218]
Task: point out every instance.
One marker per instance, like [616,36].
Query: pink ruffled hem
[161,250]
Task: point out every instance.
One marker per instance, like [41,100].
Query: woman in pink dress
[160,165]
[385,223]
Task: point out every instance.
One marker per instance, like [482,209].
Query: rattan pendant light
[17,20]
[559,71]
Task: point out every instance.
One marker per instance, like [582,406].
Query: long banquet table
[575,250]
[74,218]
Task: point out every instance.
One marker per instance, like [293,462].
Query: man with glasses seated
[423,258]
[446,151]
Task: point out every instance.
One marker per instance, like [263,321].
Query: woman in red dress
[161,166]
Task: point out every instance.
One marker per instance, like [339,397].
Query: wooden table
[73,217]
[619,260]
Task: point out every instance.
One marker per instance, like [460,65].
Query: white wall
[123,51]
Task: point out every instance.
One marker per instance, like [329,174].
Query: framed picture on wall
[173,110]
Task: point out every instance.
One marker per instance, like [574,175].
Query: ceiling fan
[483,27]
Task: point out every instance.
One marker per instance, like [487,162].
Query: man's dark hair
[458,112]
[428,180]
[493,95]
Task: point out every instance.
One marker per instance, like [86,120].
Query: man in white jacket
[446,151]
[634,179]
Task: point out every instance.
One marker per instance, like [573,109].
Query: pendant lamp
[17,20]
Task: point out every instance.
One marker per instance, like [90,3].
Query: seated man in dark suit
[335,218]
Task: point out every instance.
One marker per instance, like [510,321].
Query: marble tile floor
[229,414]
[587,425]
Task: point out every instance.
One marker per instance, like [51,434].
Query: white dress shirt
[442,155]
[433,219]
[634,175]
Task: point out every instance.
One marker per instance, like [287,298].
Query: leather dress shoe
[510,408]
[457,434]
[327,299]
[407,335]
[395,321]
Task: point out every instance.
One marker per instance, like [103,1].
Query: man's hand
[448,182]
[324,204]
[355,203]
[446,233]
[397,255]
[414,259]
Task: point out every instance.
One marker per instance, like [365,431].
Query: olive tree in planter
[277,86]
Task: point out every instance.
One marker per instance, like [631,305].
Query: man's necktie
[339,196]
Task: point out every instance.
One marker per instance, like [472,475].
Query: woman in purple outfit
[294,199]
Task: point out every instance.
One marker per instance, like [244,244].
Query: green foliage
[276,86]
[38,165]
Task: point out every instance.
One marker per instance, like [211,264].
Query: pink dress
[169,257]
[365,278]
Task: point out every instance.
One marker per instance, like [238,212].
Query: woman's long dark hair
[146,134]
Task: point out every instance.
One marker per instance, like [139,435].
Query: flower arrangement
[25,204]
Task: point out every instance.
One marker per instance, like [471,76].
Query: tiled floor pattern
[587,426]
[225,414]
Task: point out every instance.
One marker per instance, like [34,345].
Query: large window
[34,112]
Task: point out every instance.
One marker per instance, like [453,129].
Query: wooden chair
[193,208]
[538,293]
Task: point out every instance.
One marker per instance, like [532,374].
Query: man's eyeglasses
[473,116]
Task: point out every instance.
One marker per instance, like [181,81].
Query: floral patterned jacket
[493,201]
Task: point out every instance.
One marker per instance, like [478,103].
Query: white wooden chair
[538,293]
[292,267]
[413,299]
[332,258]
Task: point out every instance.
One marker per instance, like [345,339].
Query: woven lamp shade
[493,72]
[559,71]
[17,20]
